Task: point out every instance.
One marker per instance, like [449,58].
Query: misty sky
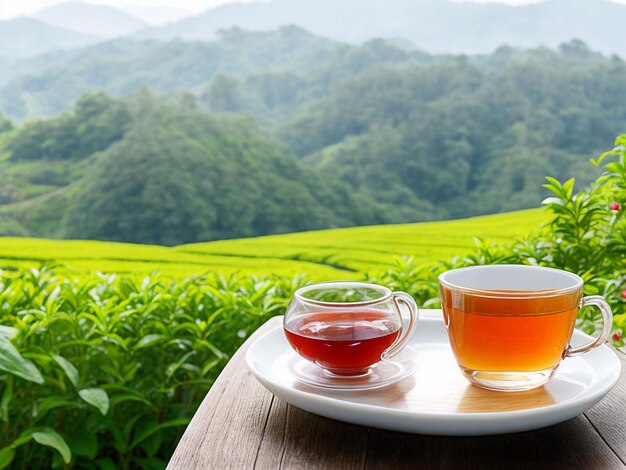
[175,8]
[160,9]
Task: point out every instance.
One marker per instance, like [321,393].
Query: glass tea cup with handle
[346,328]
[510,326]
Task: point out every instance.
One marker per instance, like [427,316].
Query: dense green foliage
[108,370]
[474,136]
[97,122]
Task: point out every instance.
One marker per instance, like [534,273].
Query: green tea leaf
[552,200]
[7,394]
[151,444]
[83,443]
[167,424]
[24,437]
[52,402]
[152,463]
[12,362]
[120,442]
[50,438]
[553,182]
[68,368]
[568,187]
[129,426]
[96,397]
[149,340]
[6,456]
[120,398]
[106,464]
[172,368]
[8,331]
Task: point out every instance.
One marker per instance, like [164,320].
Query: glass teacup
[510,326]
[348,327]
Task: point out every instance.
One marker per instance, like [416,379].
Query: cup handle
[398,344]
[607,318]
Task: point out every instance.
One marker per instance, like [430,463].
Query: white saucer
[383,374]
[435,398]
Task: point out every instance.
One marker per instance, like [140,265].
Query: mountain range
[50,84]
[100,20]
[267,132]
[436,26]
[28,37]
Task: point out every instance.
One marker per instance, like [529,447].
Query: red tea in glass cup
[347,327]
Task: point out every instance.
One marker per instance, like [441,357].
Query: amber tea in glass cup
[347,327]
[510,325]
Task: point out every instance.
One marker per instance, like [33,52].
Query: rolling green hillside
[323,255]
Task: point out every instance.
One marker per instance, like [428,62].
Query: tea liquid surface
[510,335]
[343,342]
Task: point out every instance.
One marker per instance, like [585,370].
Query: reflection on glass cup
[511,325]
[348,327]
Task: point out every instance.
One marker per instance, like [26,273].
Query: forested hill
[472,136]
[374,133]
[146,171]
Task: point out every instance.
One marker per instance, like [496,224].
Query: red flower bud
[624,294]
[617,336]
[615,206]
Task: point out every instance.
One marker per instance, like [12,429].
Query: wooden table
[241,425]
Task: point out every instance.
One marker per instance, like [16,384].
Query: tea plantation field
[325,254]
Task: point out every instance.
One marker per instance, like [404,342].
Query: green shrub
[109,370]
[587,235]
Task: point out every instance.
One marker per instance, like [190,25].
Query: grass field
[325,254]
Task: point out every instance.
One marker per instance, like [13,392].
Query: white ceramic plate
[436,399]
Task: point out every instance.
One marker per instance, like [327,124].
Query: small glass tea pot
[348,327]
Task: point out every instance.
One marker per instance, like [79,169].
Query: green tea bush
[105,372]
[587,235]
